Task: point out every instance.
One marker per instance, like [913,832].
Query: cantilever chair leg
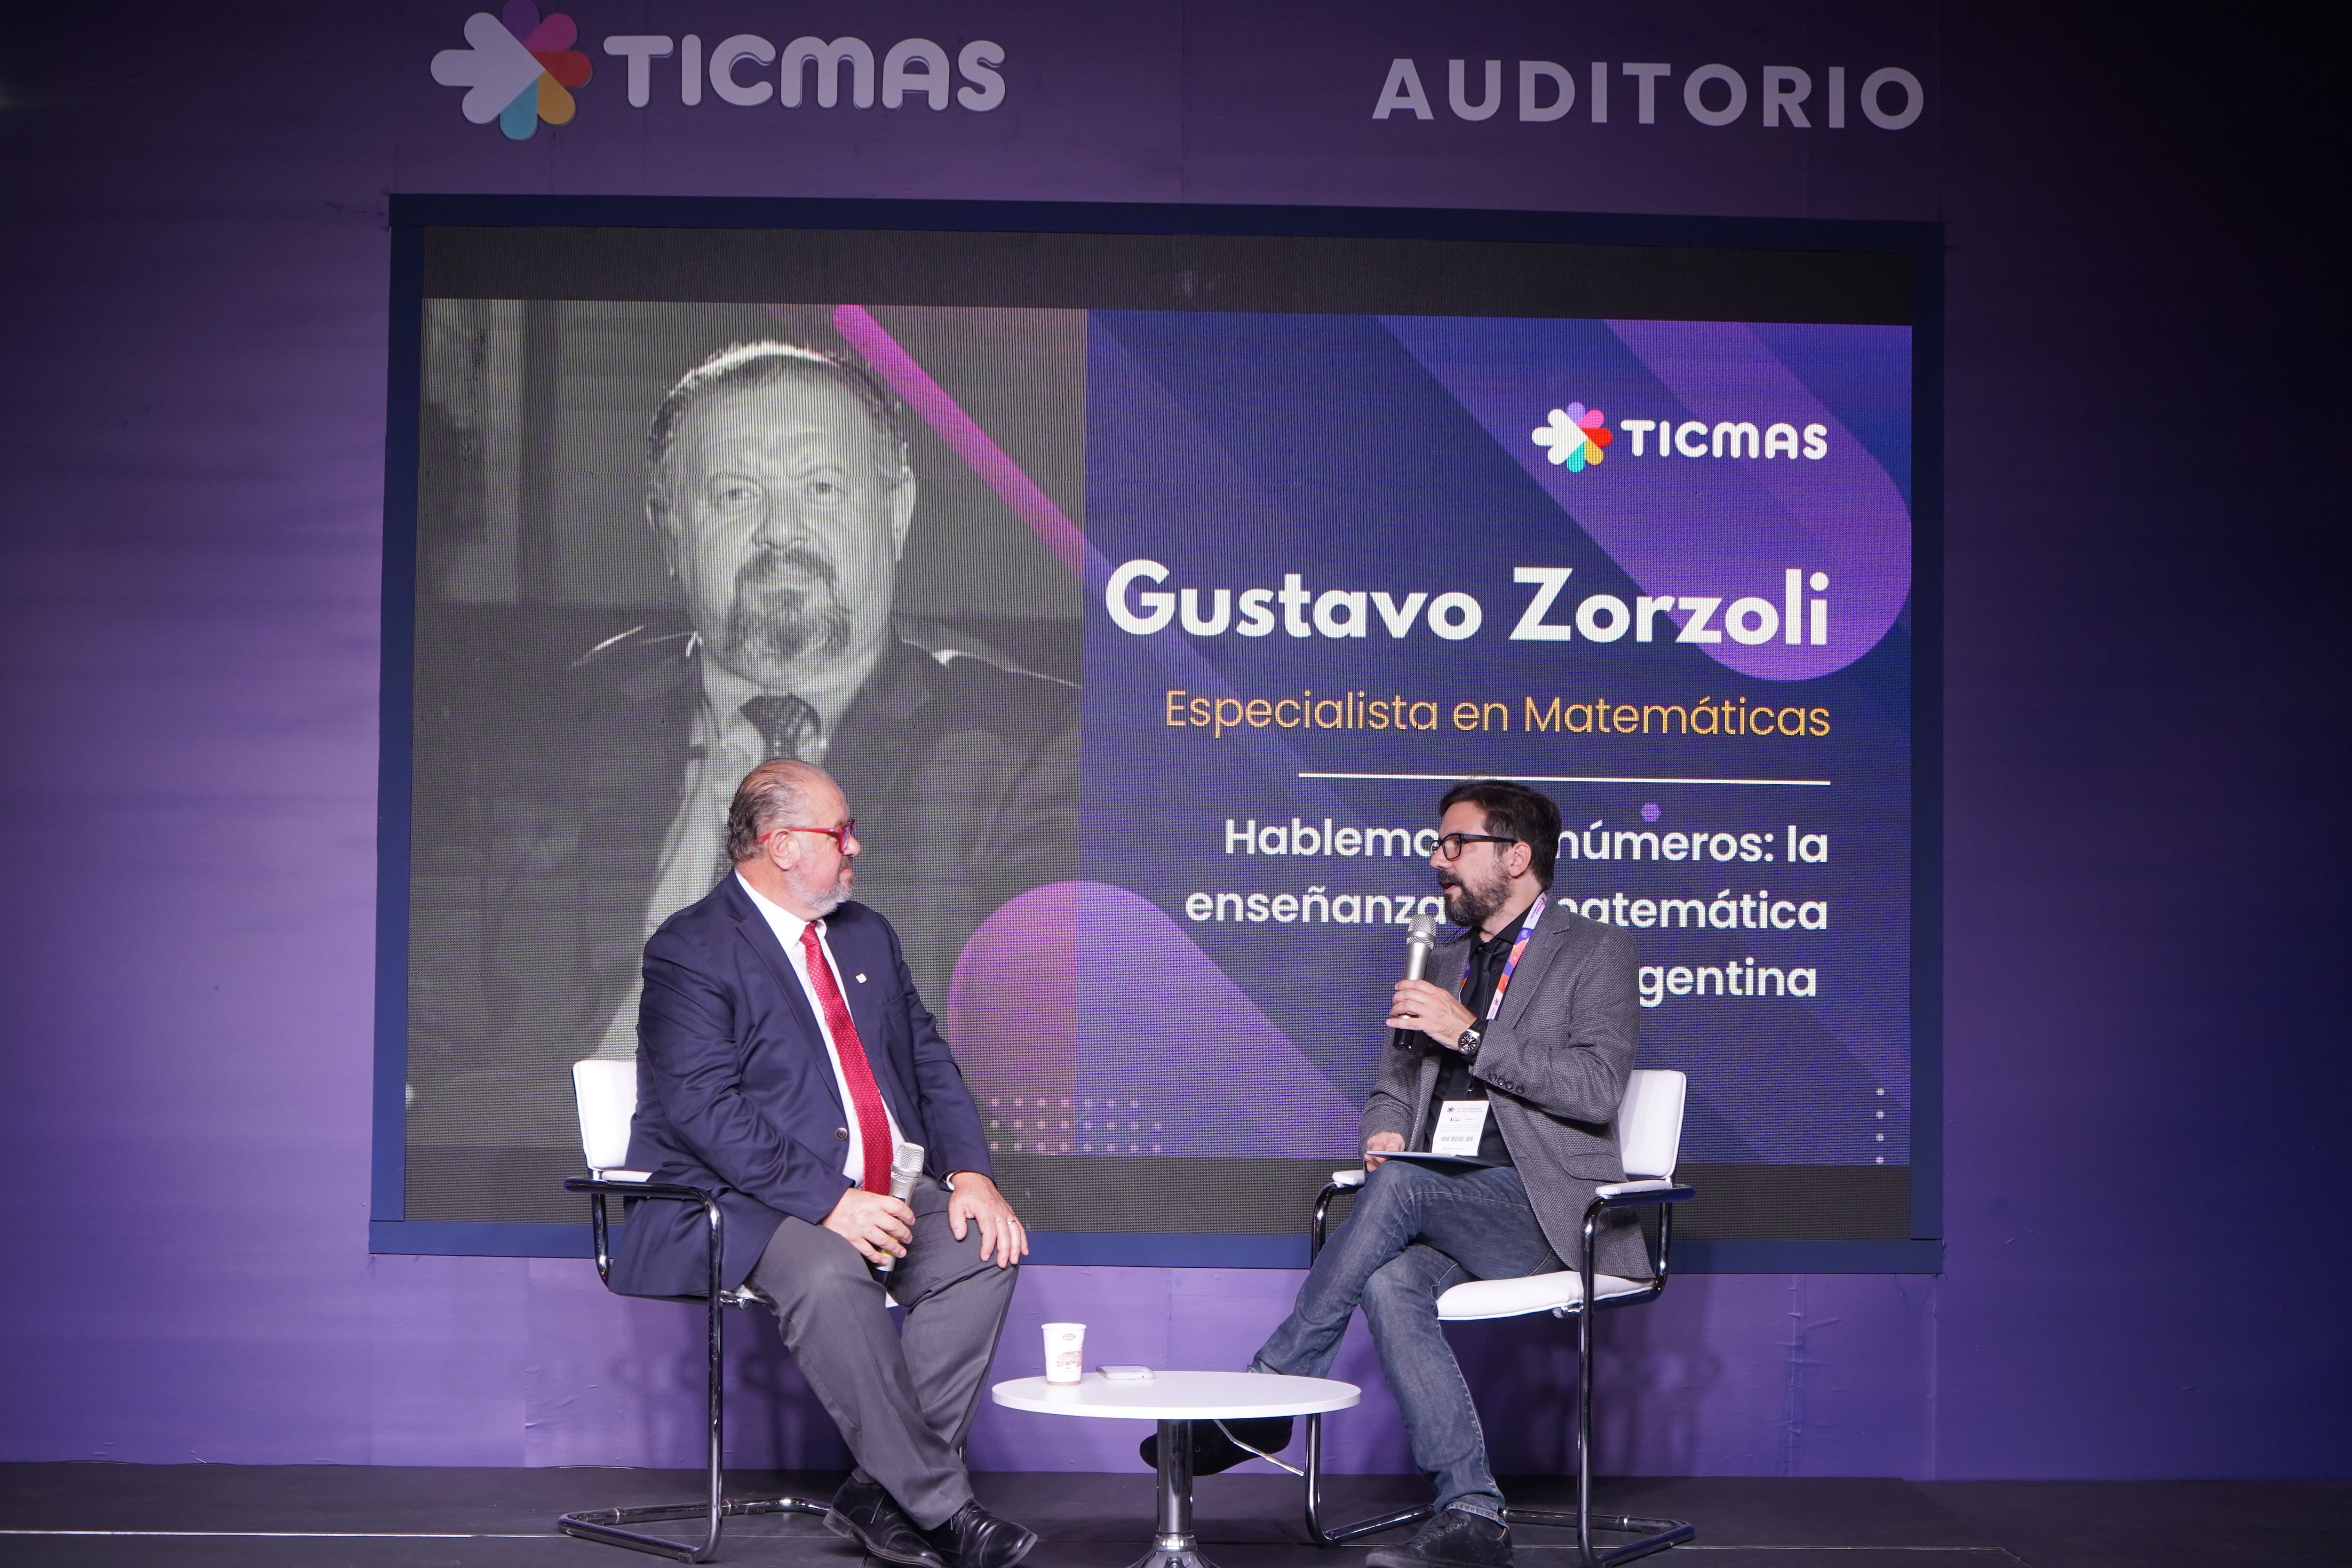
[605,1524]
[1314,1477]
[1649,1534]
[1653,1534]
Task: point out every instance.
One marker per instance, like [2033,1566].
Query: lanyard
[1503,981]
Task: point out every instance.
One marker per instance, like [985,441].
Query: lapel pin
[861,980]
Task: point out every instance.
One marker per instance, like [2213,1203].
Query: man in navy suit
[783,1055]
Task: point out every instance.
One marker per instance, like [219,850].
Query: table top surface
[1179,1396]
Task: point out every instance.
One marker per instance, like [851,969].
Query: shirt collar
[1509,934]
[787,925]
[1486,953]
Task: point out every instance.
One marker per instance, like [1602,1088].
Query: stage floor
[132,1516]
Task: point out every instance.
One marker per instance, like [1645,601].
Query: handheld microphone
[906,1168]
[1420,936]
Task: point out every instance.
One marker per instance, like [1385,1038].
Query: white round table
[1176,1400]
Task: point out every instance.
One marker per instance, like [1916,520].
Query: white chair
[1649,1139]
[606,1092]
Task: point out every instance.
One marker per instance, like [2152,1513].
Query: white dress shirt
[788,927]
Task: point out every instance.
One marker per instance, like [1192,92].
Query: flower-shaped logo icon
[1575,436]
[519,69]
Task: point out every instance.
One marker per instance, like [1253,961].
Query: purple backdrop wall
[2144,1056]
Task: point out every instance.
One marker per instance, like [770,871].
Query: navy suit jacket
[735,1093]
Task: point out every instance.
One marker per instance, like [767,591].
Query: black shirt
[1485,964]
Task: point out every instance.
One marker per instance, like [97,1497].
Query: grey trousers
[904,1400]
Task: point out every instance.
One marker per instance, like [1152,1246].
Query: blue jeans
[1416,1232]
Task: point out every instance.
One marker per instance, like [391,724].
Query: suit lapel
[753,928]
[1453,959]
[1550,935]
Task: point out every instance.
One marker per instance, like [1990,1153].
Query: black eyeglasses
[840,835]
[1449,846]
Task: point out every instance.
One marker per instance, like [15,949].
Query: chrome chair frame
[605,1524]
[1652,1534]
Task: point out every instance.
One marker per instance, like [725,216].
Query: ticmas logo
[519,70]
[1576,436]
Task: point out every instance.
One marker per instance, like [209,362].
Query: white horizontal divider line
[1567,778]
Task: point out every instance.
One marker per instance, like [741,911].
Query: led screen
[1210,575]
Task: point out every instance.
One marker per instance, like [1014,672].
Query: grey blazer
[1554,1062]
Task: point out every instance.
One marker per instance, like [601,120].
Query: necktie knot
[786,722]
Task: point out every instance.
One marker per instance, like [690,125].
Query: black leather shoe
[1213,1451]
[976,1538]
[871,1517]
[1455,1538]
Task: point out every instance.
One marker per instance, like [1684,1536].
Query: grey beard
[770,626]
[830,899]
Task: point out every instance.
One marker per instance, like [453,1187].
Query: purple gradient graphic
[964,435]
[1090,1000]
[1841,515]
[938,409]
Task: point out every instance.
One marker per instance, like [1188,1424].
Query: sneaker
[1455,1538]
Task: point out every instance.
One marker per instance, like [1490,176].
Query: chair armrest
[634,1185]
[1343,1182]
[635,1189]
[1642,1191]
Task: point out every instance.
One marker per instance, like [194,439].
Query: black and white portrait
[656,546]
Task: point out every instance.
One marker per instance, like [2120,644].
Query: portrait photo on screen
[658,543]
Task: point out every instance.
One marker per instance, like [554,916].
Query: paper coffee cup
[1066,1351]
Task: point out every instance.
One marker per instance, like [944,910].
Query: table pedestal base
[1162,1555]
[1172,1542]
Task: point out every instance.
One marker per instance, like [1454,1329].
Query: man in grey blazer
[1520,1041]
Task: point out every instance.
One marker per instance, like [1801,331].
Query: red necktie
[864,1094]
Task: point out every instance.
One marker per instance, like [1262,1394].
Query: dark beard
[775,619]
[1472,907]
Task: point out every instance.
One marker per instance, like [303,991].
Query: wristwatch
[1468,1044]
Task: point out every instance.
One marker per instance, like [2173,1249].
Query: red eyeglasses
[840,835]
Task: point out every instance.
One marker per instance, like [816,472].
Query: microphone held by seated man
[1521,1039]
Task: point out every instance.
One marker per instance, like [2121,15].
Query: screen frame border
[411,216]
